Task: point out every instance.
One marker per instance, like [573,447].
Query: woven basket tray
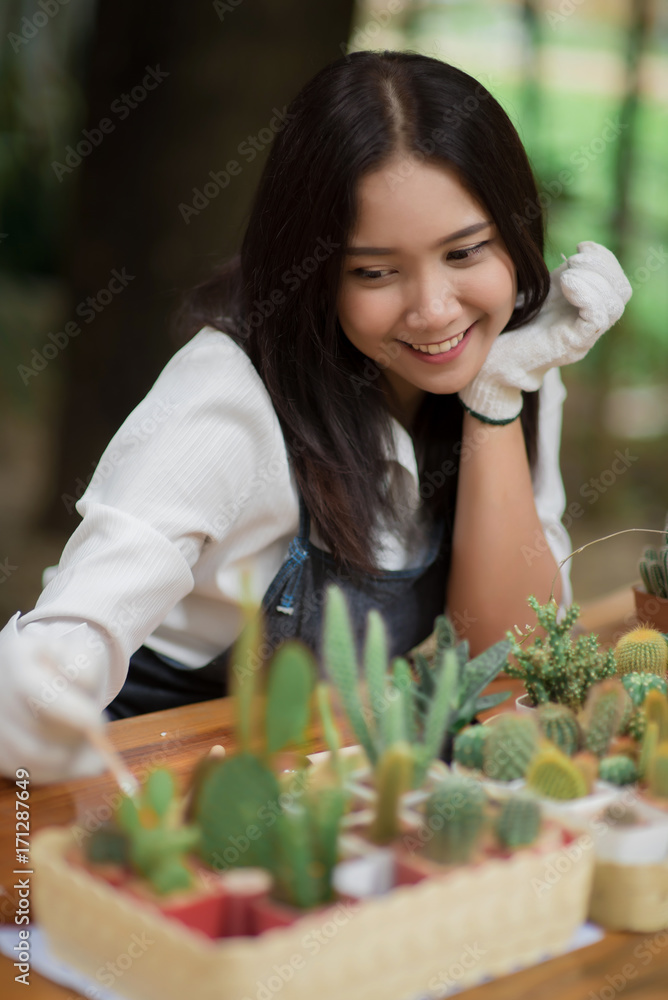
[471,923]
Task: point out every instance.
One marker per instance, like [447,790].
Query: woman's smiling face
[427,283]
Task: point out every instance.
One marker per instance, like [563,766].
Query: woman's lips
[445,356]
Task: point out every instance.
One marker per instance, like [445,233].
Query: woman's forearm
[499,552]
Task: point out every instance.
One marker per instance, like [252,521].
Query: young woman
[360,402]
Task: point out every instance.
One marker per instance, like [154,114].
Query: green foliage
[512,744]
[604,715]
[468,747]
[618,770]
[555,776]
[518,822]
[642,651]
[555,668]
[559,724]
[455,815]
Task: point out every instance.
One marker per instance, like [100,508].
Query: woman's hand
[587,296]
[50,696]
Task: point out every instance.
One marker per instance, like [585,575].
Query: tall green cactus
[657,771]
[655,707]
[443,700]
[394,776]
[513,742]
[608,707]
[560,725]
[455,816]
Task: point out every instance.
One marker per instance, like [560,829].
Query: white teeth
[441,348]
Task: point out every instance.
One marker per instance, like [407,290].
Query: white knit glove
[587,296]
[50,695]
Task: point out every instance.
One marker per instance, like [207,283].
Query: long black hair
[277,297]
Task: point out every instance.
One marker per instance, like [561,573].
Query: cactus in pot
[554,668]
[555,776]
[657,771]
[559,724]
[518,822]
[469,746]
[607,709]
[455,816]
[653,567]
[618,769]
[399,707]
[513,742]
[642,651]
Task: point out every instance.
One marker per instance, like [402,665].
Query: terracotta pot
[651,610]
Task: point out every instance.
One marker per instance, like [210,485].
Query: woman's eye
[467,253]
[362,272]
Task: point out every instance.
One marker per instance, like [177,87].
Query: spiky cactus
[618,770]
[555,776]
[555,668]
[657,771]
[653,567]
[512,743]
[560,725]
[608,707]
[455,815]
[518,822]
[642,651]
[638,686]
[468,747]
[443,700]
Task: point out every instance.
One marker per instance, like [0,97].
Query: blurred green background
[586,84]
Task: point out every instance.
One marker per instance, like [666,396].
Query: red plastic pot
[651,610]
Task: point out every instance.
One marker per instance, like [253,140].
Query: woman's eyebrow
[467,231]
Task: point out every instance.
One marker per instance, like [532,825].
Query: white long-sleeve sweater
[194,488]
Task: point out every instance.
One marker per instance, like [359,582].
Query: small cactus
[618,770]
[393,777]
[657,772]
[606,710]
[455,814]
[653,567]
[639,685]
[642,650]
[560,725]
[655,708]
[635,727]
[650,743]
[469,746]
[518,823]
[512,743]
[587,763]
[555,776]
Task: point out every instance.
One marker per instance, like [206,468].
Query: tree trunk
[173,90]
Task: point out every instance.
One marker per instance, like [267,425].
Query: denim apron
[409,600]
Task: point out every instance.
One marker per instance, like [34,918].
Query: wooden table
[632,966]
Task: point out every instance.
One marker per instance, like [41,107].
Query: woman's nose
[434,309]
